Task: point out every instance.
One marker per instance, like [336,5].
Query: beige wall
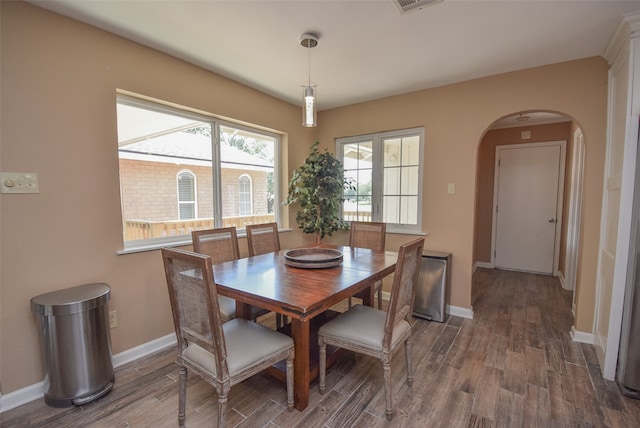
[59,80]
[455,118]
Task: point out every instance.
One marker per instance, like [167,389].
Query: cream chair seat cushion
[363,326]
[248,345]
[227,308]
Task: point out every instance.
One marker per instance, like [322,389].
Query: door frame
[574,218]
[559,196]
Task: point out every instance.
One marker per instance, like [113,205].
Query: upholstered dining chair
[223,354]
[221,245]
[262,238]
[373,332]
[364,234]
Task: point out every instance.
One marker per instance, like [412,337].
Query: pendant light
[309,110]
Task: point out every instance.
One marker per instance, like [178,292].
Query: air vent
[406,6]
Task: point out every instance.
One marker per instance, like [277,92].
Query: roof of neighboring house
[187,147]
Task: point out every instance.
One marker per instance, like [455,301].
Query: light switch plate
[451,188]
[19,182]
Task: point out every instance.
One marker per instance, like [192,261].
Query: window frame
[216,164]
[377,174]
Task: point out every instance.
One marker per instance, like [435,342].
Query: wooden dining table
[304,295]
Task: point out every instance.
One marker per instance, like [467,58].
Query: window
[244,195]
[222,174]
[186,195]
[386,169]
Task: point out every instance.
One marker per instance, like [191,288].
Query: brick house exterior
[150,190]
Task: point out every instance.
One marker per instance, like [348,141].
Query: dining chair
[373,332]
[223,354]
[261,239]
[365,234]
[221,245]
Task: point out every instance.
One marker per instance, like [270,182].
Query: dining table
[305,295]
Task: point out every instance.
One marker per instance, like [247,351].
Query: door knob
[552,220]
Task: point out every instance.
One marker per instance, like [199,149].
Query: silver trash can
[433,282]
[75,341]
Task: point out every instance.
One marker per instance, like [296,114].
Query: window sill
[405,232]
[142,247]
[153,245]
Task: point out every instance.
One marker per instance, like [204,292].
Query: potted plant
[318,186]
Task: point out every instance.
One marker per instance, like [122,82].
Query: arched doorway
[531,128]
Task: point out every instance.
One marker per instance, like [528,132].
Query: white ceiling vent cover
[405,6]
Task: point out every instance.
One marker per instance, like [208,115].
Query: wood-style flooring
[513,365]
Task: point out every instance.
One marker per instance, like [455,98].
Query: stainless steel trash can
[433,282]
[75,341]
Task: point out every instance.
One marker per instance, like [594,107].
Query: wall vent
[406,6]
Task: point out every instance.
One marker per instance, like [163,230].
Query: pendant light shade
[309,114]
[309,109]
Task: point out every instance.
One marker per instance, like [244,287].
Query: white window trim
[248,177]
[195,193]
[377,169]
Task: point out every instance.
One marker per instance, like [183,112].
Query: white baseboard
[21,396]
[460,311]
[582,337]
[451,310]
[145,349]
[487,265]
[33,392]
[561,278]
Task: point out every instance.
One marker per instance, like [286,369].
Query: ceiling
[367,49]
[529,118]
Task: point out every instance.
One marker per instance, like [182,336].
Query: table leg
[301,373]
[243,310]
[367,296]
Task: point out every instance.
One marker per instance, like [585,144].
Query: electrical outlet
[113,319]
[19,182]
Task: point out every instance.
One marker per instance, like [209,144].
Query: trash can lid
[71,300]
[436,254]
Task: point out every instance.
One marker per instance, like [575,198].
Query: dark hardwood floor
[513,365]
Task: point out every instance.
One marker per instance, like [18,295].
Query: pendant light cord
[309,52]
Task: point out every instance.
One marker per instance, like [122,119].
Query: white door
[526,215]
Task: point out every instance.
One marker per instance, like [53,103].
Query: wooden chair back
[194,304]
[403,290]
[220,244]
[365,234]
[262,238]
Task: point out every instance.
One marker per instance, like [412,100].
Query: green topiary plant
[318,186]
